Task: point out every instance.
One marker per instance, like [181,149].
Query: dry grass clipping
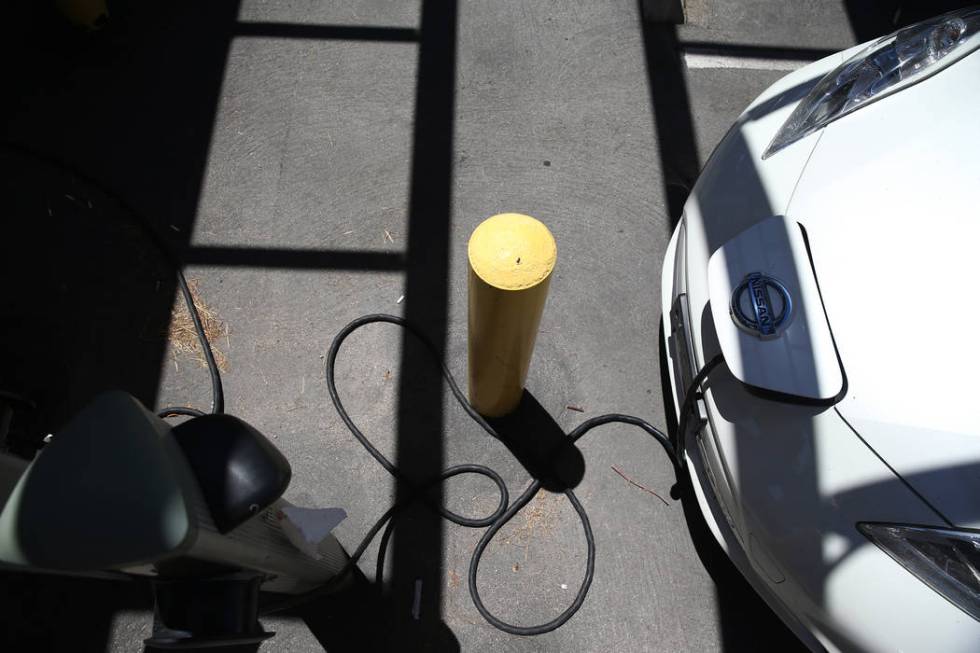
[540,517]
[183,337]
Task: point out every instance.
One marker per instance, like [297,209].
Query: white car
[820,301]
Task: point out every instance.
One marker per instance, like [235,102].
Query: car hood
[889,202]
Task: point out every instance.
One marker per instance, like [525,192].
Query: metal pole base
[207,613]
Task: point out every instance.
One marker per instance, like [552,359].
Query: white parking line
[696,60]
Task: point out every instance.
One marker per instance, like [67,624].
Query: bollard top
[512,251]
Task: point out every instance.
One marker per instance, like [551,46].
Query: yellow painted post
[511,259]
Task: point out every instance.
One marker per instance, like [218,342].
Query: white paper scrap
[307,527]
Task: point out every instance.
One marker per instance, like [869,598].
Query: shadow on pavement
[359,620]
[672,117]
[537,441]
[44,612]
[92,299]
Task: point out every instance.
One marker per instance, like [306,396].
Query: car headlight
[946,560]
[888,65]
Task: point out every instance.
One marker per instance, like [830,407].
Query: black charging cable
[693,393]
[504,512]
[217,392]
[493,522]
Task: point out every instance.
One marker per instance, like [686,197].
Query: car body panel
[889,203]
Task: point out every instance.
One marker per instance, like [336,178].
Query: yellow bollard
[511,259]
